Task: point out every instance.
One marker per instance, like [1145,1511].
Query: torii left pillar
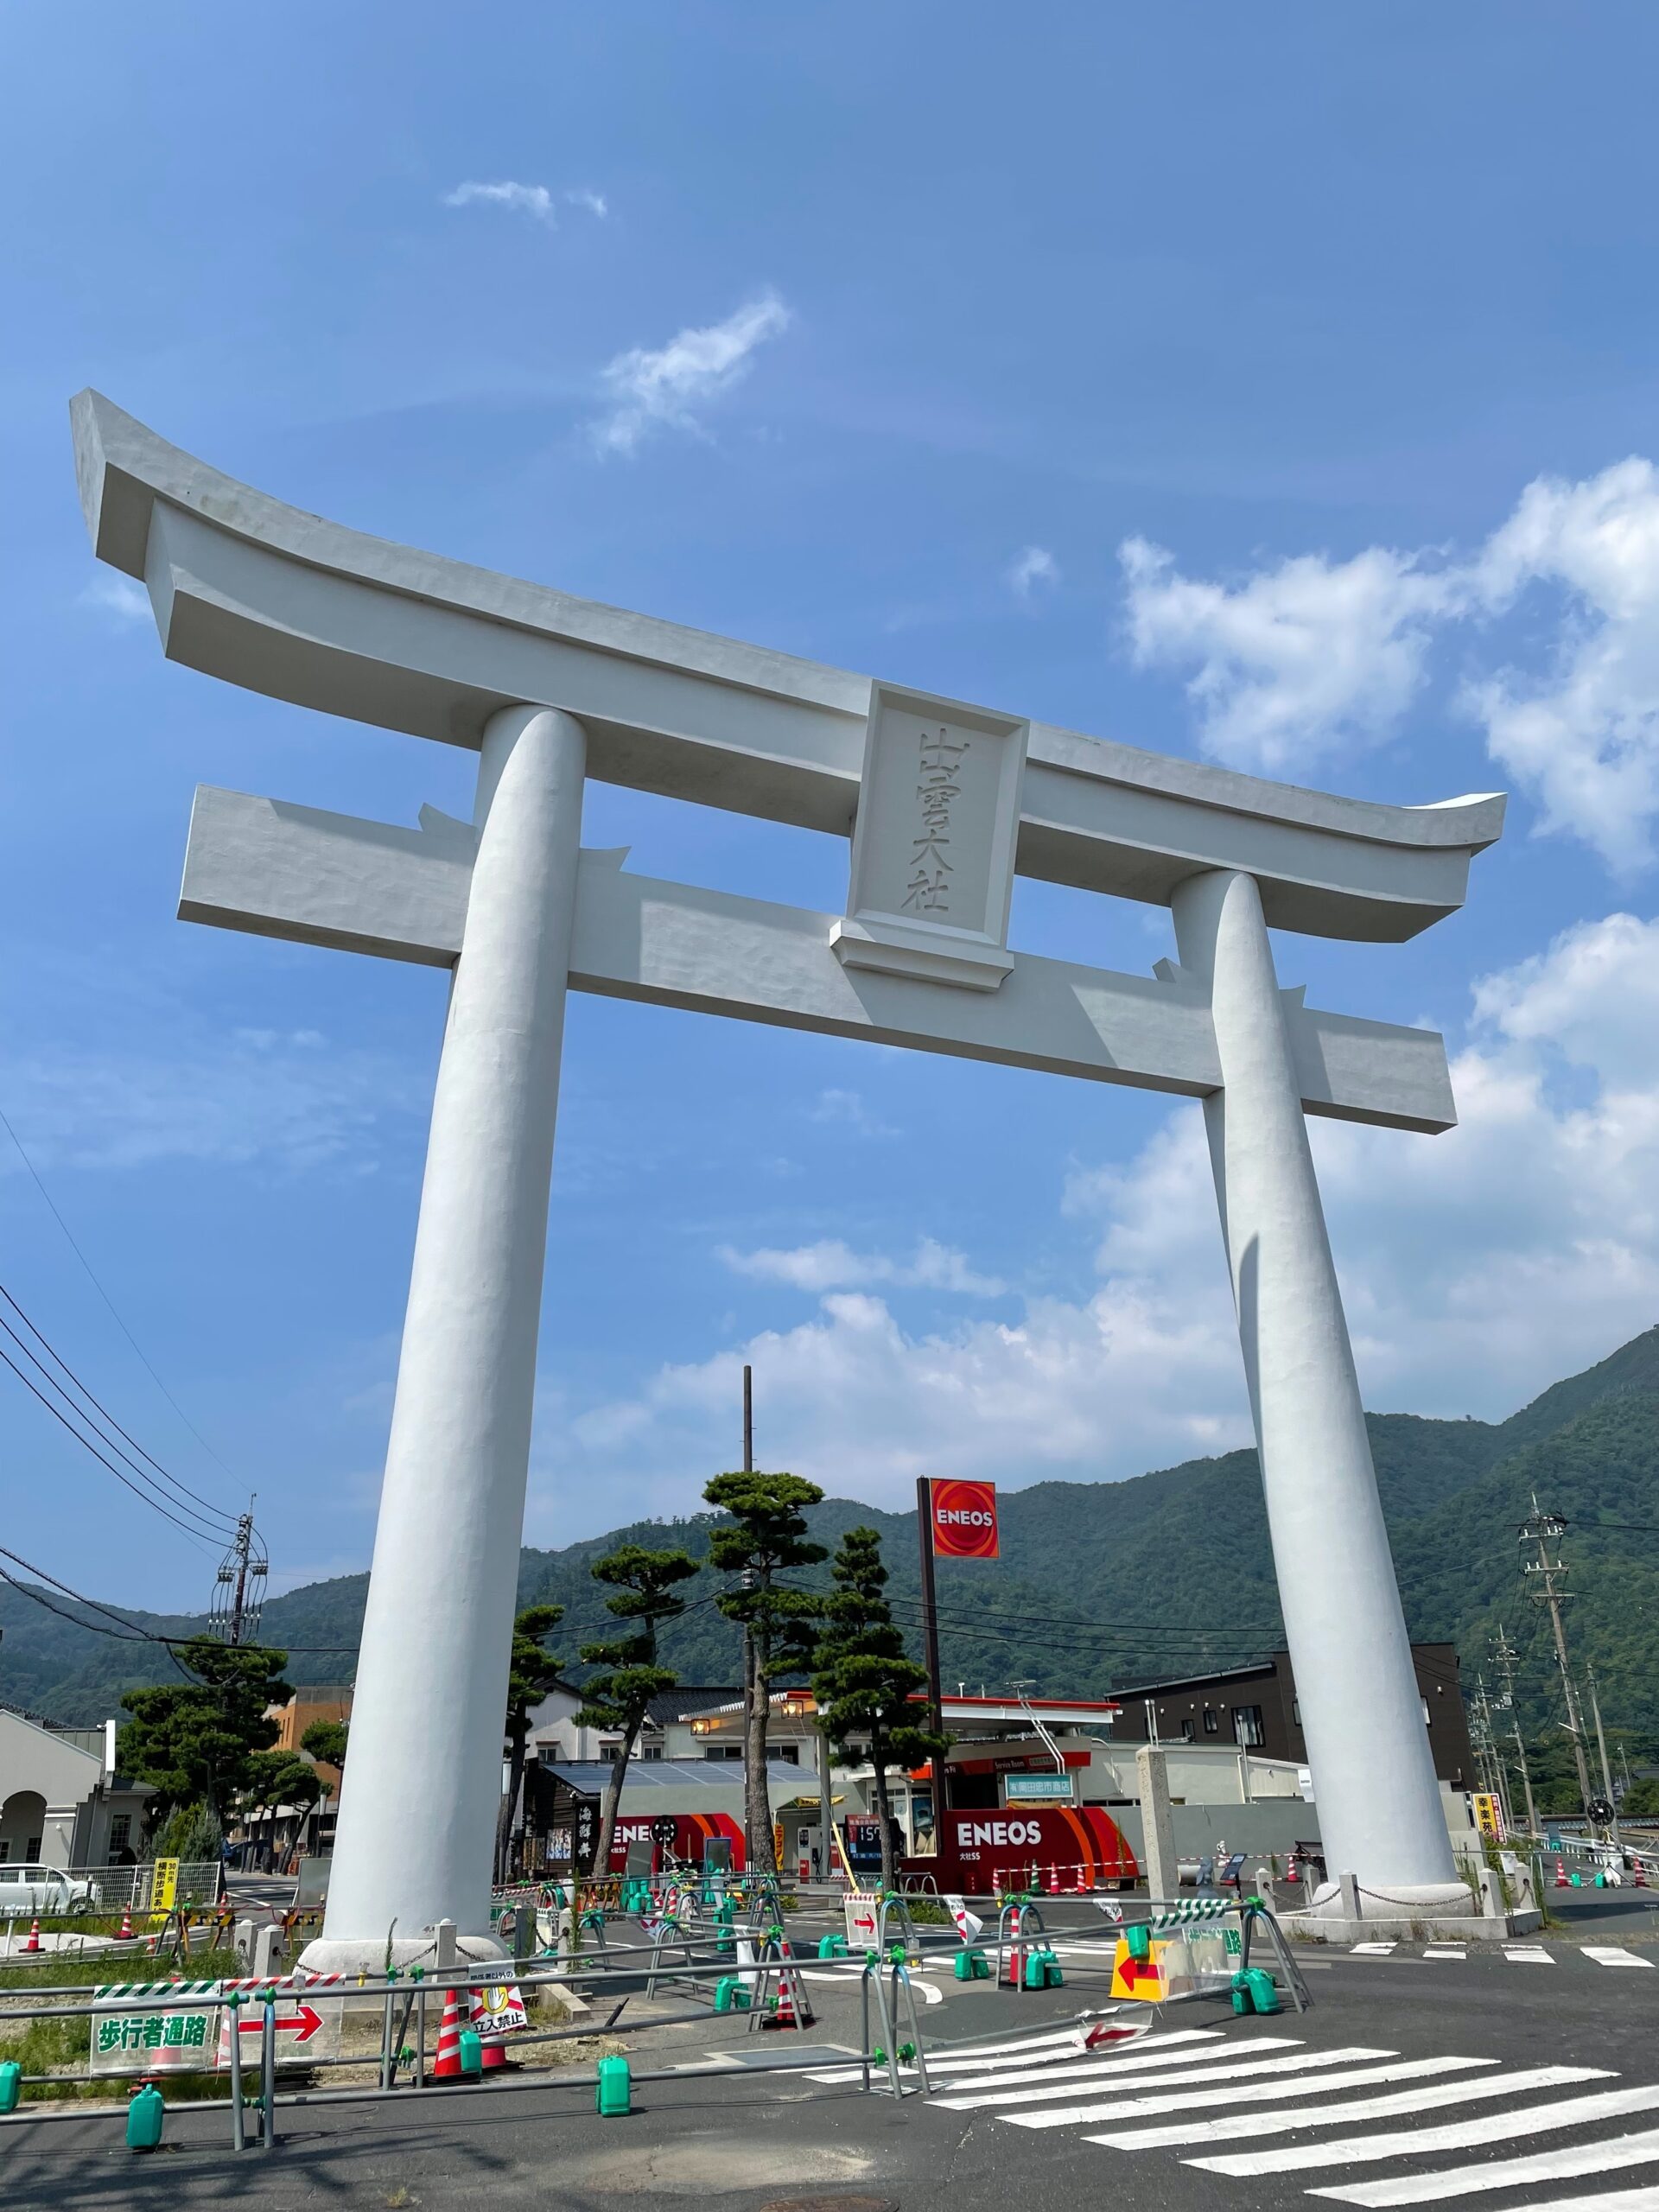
[418,1817]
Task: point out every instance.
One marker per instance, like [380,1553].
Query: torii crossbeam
[943,803]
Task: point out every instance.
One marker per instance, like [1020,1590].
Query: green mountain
[1103,1584]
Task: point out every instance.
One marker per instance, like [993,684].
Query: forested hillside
[1103,1584]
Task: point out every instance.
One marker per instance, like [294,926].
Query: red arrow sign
[302,2023]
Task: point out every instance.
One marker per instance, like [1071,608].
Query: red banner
[963,1516]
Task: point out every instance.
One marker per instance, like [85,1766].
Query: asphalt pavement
[1418,2076]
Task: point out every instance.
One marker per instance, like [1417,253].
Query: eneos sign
[963,1516]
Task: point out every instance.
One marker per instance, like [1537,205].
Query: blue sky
[1274,388]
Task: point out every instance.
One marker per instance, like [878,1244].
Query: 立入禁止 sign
[963,1518]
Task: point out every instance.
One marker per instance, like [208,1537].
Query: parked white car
[42,1890]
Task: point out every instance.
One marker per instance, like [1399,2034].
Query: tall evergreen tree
[864,1679]
[767,1536]
[194,1740]
[532,1671]
[619,1695]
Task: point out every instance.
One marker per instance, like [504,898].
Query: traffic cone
[492,2053]
[1561,1881]
[1053,1881]
[123,1932]
[1083,1887]
[446,2067]
[806,2018]
[1292,1873]
[34,1942]
[1639,1879]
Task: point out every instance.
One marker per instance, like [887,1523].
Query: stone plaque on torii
[943,802]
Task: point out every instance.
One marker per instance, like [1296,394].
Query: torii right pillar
[1379,1803]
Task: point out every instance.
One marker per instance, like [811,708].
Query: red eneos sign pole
[954,1519]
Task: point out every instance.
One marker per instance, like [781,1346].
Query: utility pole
[1545,1531]
[1601,1747]
[1503,1652]
[239,1585]
[745,1582]
[930,1644]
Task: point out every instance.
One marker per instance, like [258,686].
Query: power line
[194,1534]
[195,1497]
[78,1415]
[92,1277]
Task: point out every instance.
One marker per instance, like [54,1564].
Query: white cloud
[533,200]
[1476,1266]
[1584,736]
[829,1264]
[1292,663]
[1030,565]
[118,598]
[594,202]
[663,388]
[846,1108]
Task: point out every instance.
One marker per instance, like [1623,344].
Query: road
[1410,2066]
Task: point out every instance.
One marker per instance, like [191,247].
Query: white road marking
[1254,2093]
[1458,2135]
[1074,2077]
[1528,1954]
[1374,1951]
[1041,2050]
[1289,2122]
[1564,2164]
[1015,2089]
[1613,1954]
[1445,1951]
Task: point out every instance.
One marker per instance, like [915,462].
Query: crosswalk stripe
[1425,2100]
[1053,2050]
[1074,2079]
[1445,1951]
[1528,1954]
[1254,2093]
[1012,2092]
[1613,1954]
[1418,2142]
[1561,2164]
[1374,1951]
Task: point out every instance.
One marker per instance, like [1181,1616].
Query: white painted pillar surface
[1377,1799]
[423,1784]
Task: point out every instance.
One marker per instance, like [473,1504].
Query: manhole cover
[830,2204]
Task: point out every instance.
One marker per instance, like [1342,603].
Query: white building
[61,1801]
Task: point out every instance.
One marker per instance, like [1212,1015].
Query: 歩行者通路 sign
[963,1518]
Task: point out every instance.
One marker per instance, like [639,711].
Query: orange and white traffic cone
[492,2053]
[1083,1887]
[1561,1881]
[1292,1873]
[34,1942]
[1053,1881]
[446,2067]
[123,1932]
[1639,1878]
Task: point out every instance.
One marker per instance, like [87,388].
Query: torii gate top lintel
[265,595]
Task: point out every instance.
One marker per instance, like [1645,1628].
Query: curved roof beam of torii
[285,603]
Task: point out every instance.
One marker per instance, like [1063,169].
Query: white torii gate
[943,803]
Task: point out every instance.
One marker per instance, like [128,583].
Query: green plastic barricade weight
[472,2052]
[906,2053]
[732,1995]
[1254,1991]
[145,2117]
[11,2085]
[1138,1936]
[832,1947]
[971,1966]
[615,2089]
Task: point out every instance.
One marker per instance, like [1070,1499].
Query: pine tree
[767,1534]
[532,1671]
[864,1679]
[619,1695]
[194,1740]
